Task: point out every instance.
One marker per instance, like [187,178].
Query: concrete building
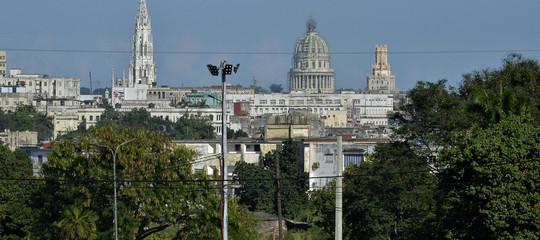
[311,72]
[369,108]
[320,156]
[51,95]
[3,62]
[18,139]
[381,79]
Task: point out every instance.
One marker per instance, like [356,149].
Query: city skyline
[426,40]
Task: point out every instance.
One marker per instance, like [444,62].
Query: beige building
[336,118]
[18,139]
[381,78]
[3,62]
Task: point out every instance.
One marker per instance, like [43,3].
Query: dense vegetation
[186,127]
[27,118]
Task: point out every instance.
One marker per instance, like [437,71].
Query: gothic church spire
[142,68]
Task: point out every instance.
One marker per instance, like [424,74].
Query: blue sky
[210,26]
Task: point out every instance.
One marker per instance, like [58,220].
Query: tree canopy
[15,213]
[276,88]
[27,118]
[491,182]
[389,196]
[260,195]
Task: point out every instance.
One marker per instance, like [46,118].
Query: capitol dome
[311,70]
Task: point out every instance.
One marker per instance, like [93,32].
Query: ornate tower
[311,70]
[142,68]
[381,78]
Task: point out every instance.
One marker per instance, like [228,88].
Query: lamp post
[114,181]
[226,69]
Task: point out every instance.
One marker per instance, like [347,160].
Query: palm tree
[78,224]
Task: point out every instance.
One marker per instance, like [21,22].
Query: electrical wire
[268,53]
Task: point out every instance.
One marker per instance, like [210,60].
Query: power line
[268,53]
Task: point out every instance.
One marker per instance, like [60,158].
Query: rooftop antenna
[254,81]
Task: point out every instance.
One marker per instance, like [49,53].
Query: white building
[311,72]
[370,108]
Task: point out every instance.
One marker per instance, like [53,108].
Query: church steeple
[142,68]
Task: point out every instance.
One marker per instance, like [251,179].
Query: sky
[427,40]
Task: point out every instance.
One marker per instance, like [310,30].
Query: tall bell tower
[142,68]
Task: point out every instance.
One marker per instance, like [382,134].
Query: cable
[268,53]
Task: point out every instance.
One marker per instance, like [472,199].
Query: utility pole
[278,196]
[91,90]
[339,191]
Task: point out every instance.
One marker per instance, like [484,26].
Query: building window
[237,148]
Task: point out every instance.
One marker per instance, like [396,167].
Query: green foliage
[186,127]
[85,91]
[260,195]
[231,134]
[320,211]
[276,88]
[380,204]
[15,214]
[259,89]
[27,118]
[433,118]
[192,127]
[511,89]
[491,182]
[152,189]
[78,223]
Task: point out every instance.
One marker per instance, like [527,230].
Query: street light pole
[226,69]
[114,181]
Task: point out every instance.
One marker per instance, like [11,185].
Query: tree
[511,89]
[231,134]
[27,118]
[390,196]
[191,127]
[206,221]
[491,180]
[259,89]
[85,91]
[78,224]
[320,210]
[260,195]
[434,119]
[153,188]
[276,88]
[186,127]
[15,213]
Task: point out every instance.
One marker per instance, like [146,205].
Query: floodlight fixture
[228,69]
[236,68]
[214,70]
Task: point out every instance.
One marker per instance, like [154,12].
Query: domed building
[311,72]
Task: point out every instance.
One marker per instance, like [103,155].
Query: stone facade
[311,72]
[381,78]
[142,69]
[3,62]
